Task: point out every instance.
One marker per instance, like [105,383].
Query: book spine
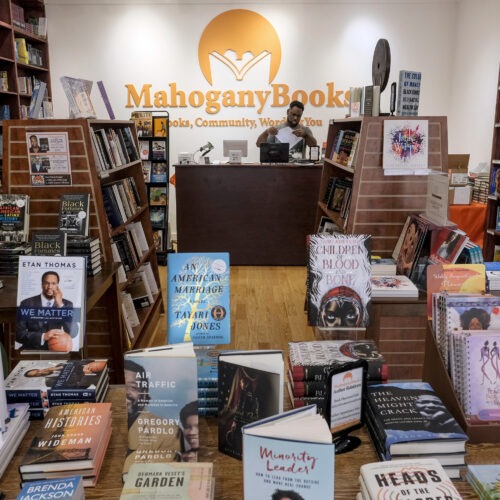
[64,394]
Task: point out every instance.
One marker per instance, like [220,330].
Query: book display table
[260,214]
[228,471]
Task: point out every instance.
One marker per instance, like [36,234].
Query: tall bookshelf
[492,234]
[87,176]
[379,204]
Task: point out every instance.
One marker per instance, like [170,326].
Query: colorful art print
[405,144]
[160,126]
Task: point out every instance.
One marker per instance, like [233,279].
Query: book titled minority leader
[290,452]
[338,280]
[198,298]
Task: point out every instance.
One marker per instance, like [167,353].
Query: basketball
[62,343]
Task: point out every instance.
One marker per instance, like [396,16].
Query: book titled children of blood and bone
[198,298]
[339,286]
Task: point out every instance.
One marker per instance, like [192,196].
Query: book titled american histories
[338,280]
[51,299]
[72,437]
[250,388]
[190,481]
[14,217]
[289,452]
[409,418]
[162,404]
[198,299]
[74,214]
[415,478]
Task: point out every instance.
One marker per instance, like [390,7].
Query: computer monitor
[274,152]
[235,145]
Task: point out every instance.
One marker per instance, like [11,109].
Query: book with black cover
[408,418]
[14,217]
[49,243]
[250,388]
[74,214]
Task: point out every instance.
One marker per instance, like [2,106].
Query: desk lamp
[204,150]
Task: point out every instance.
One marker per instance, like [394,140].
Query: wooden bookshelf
[86,177]
[492,235]
[379,204]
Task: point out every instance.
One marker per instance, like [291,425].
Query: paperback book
[51,300]
[49,243]
[14,218]
[250,388]
[162,405]
[66,487]
[393,286]
[418,421]
[407,479]
[338,280]
[190,481]
[289,453]
[485,480]
[74,214]
[198,298]
[408,93]
[446,245]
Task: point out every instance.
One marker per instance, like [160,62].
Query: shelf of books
[357,196]
[98,159]
[491,248]
[153,134]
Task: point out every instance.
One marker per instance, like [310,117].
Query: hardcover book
[207,358]
[406,479]
[446,245]
[312,360]
[72,437]
[74,214]
[14,217]
[250,388]
[162,404]
[408,93]
[289,453]
[338,277]
[198,298]
[77,91]
[418,421]
[67,487]
[51,299]
[485,480]
[190,481]
[393,286]
[49,243]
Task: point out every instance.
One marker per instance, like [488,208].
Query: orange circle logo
[241,32]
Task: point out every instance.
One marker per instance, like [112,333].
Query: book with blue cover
[409,418]
[289,453]
[198,299]
[64,487]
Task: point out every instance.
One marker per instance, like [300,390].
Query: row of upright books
[114,147]
[121,201]
[344,147]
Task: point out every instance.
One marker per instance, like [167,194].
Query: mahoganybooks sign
[51,299]
[338,280]
[198,308]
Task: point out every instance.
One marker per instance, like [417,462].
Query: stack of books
[393,286]
[45,383]
[67,487]
[87,247]
[12,433]
[405,479]
[72,441]
[310,362]
[9,256]
[206,360]
[484,479]
[493,276]
[382,266]
[179,479]
[407,420]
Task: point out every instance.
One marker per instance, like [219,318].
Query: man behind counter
[293,116]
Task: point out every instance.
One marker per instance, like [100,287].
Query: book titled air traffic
[250,388]
[51,300]
[289,452]
[162,404]
[74,214]
[338,280]
[198,305]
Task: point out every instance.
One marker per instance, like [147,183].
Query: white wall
[454,44]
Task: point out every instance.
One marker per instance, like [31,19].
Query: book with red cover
[447,244]
[72,437]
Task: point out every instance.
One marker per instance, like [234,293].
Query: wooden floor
[267,307]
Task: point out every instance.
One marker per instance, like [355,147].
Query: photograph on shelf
[160,126]
[405,147]
[159,172]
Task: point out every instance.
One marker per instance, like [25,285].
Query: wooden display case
[492,235]
[86,177]
[379,204]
